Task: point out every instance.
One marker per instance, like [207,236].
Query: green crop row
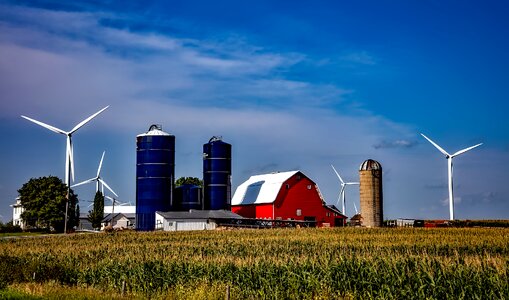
[347,263]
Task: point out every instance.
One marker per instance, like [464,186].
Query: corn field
[341,263]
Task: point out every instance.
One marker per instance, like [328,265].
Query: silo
[187,196]
[217,170]
[371,194]
[155,169]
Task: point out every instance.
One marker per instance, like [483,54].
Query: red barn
[284,196]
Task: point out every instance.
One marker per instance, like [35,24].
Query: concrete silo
[371,194]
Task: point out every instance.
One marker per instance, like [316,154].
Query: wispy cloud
[361,57]
[395,144]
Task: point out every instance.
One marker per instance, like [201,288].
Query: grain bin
[217,170]
[371,194]
[187,196]
[155,169]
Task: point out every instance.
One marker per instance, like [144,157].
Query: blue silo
[217,170]
[155,169]
[187,196]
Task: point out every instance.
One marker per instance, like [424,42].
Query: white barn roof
[260,189]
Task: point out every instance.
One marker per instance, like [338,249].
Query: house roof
[108,217]
[199,214]
[261,189]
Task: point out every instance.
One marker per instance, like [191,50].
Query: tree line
[44,203]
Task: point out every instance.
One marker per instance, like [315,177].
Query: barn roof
[261,189]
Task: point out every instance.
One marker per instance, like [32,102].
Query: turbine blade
[87,120]
[52,128]
[355,206]
[107,186]
[340,179]
[110,198]
[352,183]
[84,182]
[437,146]
[100,164]
[465,150]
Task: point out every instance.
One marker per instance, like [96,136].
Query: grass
[20,234]
[351,263]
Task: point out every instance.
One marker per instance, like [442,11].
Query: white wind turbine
[449,158]
[341,196]
[69,160]
[98,179]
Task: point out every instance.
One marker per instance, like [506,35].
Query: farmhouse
[284,196]
[17,210]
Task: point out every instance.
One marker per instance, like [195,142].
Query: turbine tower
[69,160]
[98,180]
[342,192]
[449,158]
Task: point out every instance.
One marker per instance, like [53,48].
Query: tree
[96,215]
[44,200]
[189,180]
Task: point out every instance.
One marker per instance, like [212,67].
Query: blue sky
[289,85]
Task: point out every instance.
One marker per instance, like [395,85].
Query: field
[349,263]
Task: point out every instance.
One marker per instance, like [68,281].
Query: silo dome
[370,165]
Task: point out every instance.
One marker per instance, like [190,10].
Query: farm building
[284,196]
[192,219]
[17,210]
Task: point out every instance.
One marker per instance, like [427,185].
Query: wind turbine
[342,192]
[449,158]
[98,179]
[69,160]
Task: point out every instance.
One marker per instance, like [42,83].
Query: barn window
[328,214]
[298,212]
[309,186]
[287,186]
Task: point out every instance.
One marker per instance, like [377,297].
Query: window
[309,186]
[299,212]
[287,186]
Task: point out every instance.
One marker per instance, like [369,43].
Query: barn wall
[247,211]
[260,211]
[300,193]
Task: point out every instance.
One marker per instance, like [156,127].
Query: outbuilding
[192,219]
[284,196]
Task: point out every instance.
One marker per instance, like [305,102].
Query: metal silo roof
[154,130]
[370,165]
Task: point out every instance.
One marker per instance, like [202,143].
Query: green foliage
[189,180]
[9,227]
[340,263]
[44,201]
[96,215]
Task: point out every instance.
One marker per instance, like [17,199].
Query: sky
[292,85]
